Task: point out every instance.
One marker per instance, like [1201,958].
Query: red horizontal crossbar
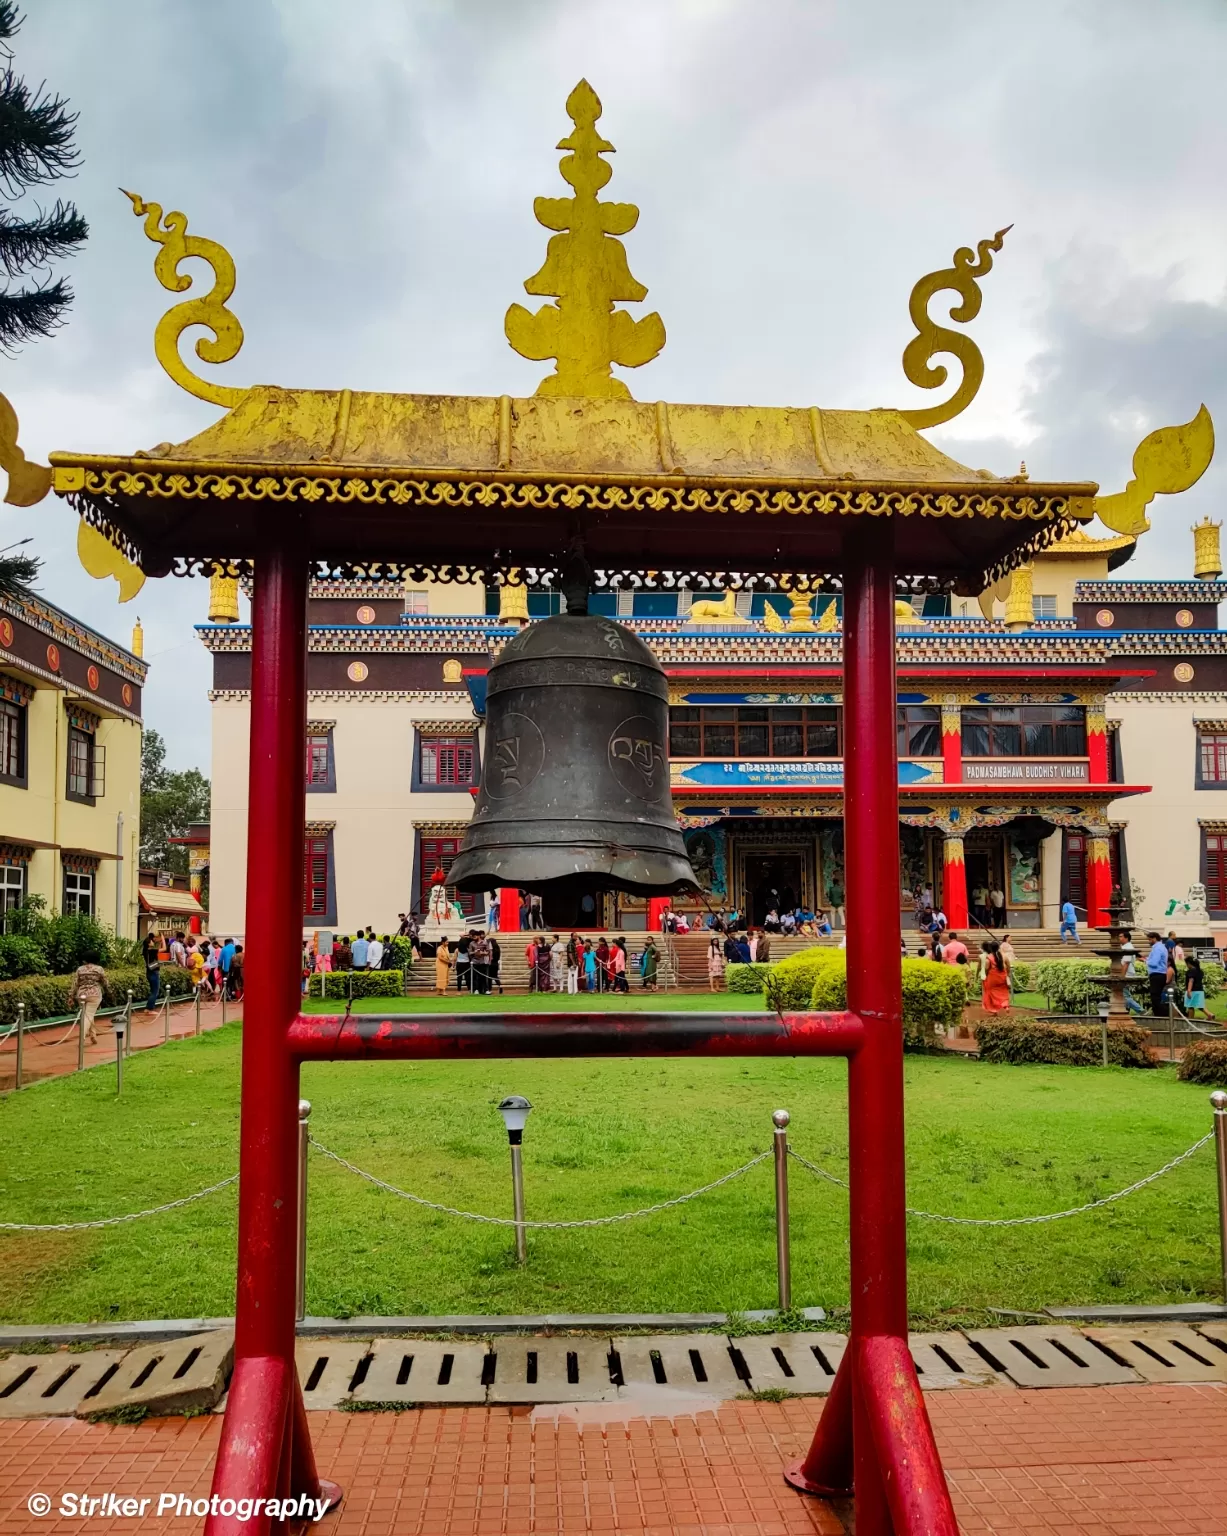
[360,1037]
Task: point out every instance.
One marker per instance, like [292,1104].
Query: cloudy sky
[798,164]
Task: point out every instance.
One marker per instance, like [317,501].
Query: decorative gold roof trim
[320,727]
[1077,544]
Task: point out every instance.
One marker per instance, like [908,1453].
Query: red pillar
[508,909]
[1097,746]
[261,1416]
[952,742]
[954,882]
[885,1409]
[1098,882]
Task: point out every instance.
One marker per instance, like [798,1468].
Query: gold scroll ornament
[931,338]
[586,270]
[1167,461]
[208,309]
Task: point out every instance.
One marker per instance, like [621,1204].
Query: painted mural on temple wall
[707,849]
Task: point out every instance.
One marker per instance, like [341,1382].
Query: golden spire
[932,338]
[223,598]
[587,272]
[1020,605]
[138,638]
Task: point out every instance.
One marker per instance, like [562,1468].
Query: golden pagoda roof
[475,487]
[1078,544]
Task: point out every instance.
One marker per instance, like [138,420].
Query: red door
[1075,870]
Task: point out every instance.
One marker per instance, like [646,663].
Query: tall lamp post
[514,1110]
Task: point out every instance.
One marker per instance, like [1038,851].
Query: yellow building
[70,765]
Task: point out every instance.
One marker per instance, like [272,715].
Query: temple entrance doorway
[773,881]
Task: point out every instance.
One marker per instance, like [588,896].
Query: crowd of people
[363,952]
[573,965]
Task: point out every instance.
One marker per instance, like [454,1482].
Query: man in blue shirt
[227,956]
[359,951]
[1160,972]
[1069,923]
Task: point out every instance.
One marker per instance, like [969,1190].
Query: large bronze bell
[575,782]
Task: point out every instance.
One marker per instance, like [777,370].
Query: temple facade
[1049,750]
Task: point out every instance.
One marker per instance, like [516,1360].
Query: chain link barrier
[605,1221]
[1026,1221]
[116,1221]
[507,1221]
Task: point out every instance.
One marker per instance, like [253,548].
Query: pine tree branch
[26,243]
[10,21]
[36,130]
[31,313]
[17,572]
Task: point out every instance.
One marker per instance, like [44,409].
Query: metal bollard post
[1219,1100]
[783,1262]
[304,1134]
[166,1019]
[121,1030]
[21,1042]
[81,1038]
[126,1034]
[197,1008]
[223,1002]
[517,1200]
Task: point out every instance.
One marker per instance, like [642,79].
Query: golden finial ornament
[28,483]
[801,611]
[138,638]
[1166,461]
[586,270]
[513,602]
[208,309]
[223,598]
[1207,557]
[932,338]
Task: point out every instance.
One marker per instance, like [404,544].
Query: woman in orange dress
[995,992]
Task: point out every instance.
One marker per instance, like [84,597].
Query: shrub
[1065,983]
[790,983]
[21,956]
[72,939]
[1205,1061]
[337,984]
[1016,1040]
[400,949]
[933,997]
[745,979]
[46,997]
[1022,971]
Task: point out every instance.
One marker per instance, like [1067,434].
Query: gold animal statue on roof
[712,612]
[586,270]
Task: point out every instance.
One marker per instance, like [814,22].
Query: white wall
[1158,742]
[373,807]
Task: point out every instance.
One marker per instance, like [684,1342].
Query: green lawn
[605,1136]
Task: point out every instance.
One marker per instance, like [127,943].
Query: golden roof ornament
[1165,462]
[138,638]
[586,270]
[1207,557]
[513,601]
[207,309]
[223,597]
[932,339]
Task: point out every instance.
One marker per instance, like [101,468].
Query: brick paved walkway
[53,1052]
[1104,1461]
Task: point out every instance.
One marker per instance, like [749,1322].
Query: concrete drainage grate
[792,1362]
[426,1372]
[186,1376]
[700,1364]
[1048,1357]
[326,1367]
[946,1360]
[1162,1353]
[55,1386]
[550,1371]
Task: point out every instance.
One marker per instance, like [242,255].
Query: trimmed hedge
[934,995]
[1064,982]
[1015,1040]
[1205,1061]
[46,997]
[400,950]
[337,984]
[745,979]
[790,983]
[1022,971]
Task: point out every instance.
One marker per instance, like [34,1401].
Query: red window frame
[441,853]
[317,859]
[446,760]
[319,757]
[1214,861]
[1212,750]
